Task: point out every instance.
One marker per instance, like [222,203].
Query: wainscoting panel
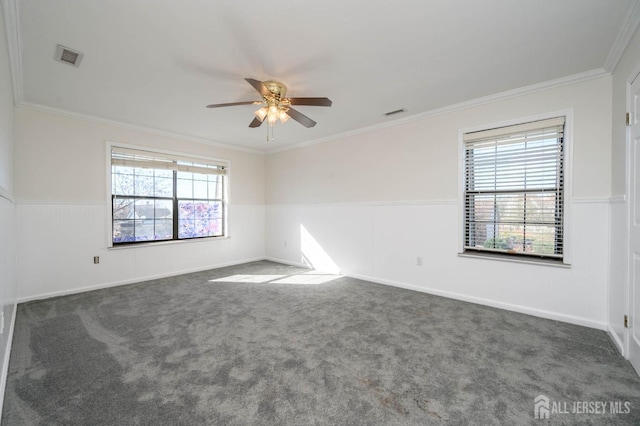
[7,284]
[415,245]
[58,242]
[618,271]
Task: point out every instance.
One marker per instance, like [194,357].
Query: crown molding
[135,127]
[14,45]
[521,91]
[621,42]
[12,24]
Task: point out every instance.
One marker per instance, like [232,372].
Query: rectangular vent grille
[68,56]
[398,111]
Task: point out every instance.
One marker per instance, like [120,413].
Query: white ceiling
[156,64]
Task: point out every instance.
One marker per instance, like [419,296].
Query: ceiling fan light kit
[276,106]
[261,113]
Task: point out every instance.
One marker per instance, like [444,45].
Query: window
[160,197]
[514,190]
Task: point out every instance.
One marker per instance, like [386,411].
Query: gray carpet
[190,351]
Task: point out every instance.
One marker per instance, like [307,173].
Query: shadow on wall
[314,255]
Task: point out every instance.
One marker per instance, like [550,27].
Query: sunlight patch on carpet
[307,279]
[248,278]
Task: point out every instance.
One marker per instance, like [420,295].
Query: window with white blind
[161,197]
[514,190]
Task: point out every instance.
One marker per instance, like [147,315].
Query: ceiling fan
[275,105]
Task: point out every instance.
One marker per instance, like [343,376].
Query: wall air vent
[68,56]
[398,111]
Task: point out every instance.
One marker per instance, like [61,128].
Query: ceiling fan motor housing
[278,106]
[278,89]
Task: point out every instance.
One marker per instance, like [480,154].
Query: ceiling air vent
[68,56]
[398,111]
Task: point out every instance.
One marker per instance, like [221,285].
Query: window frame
[567,189]
[181,156]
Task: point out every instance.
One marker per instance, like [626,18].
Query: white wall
[6,115]
[618,269]
[7,208]
[375,201]
[60,186]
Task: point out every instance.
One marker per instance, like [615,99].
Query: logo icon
[541,407]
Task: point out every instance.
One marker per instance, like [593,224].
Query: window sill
[513,259]
[165,243]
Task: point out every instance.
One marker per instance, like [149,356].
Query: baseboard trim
[287,262]
[487,302]
[616,340]
[480,301]
[7,355]
[132,280]
[457,296]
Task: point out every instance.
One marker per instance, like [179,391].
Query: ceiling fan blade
[232,104]
[300,118]
[311,101]
[259,86]
[255,123]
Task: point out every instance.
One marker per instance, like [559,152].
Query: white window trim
[568,183]
[109,210]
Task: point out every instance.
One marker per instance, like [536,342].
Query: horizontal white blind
[514,130]
[127,157]
[514,189]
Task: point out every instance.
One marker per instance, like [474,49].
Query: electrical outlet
[418,261]
[96,259]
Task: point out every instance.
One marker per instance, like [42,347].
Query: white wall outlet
[418,261]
